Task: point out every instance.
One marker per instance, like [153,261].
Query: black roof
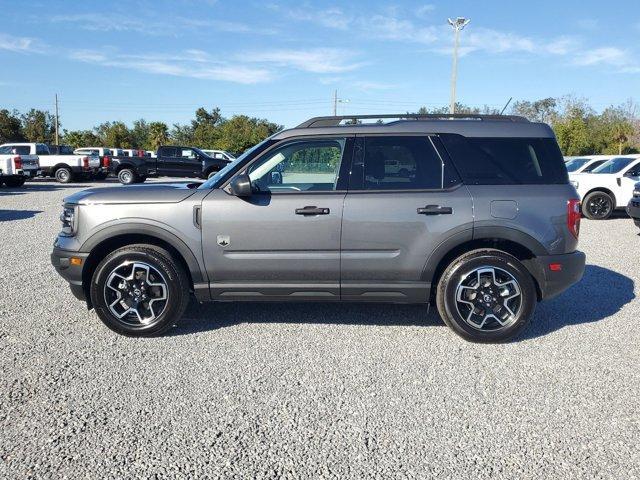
[468,125]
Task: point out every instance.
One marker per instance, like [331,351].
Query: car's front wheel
[486,296]
[598,206]
[139,290]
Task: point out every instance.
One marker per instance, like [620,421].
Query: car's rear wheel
[126,176]
[598,206]
[139,290]
[15,182]
[63,175]
[486,296]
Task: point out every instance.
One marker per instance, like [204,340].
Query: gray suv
[474,214]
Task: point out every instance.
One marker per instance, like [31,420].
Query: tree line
[579,128]
[209,129]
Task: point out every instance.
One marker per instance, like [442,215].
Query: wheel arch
[106,241]
[514,242]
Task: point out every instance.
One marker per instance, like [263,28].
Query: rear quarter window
[506,161]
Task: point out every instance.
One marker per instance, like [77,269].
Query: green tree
[10,127]
[158,135]
[181,134]
[80,138]
[114,134]
[140,134]
[544,110]
[241,132]
[38,126]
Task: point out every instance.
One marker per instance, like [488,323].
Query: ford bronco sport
[481,221]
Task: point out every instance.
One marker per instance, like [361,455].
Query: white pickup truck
[608,187]
[64,166]
[15,169]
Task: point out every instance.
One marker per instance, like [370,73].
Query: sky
[283,60]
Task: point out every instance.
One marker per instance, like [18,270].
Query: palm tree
[158,134]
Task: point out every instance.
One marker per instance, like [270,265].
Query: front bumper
[633,209]
[61,261]
[554,282]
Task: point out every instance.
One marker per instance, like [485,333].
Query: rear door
[283,242]
[403,202]
[169,161]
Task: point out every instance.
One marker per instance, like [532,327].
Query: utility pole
[458,24]
[57,122]
[336,101]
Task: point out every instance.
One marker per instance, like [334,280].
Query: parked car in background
[585,164]
[484,224]
[220,154]
[15,167]
[132,152]
[64,167]
[105,155]
[633,208]
[171,161]
[150,153]
[608,187]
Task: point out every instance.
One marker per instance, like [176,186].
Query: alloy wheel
[488,298]
[599,206]
[136,293]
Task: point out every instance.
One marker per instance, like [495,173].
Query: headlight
[636,193]
[575,183]
[69,219]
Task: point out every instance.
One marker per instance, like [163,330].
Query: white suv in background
[607,187]
[220,155]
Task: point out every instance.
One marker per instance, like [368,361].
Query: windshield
[576,164]
[614,165]
[214,181]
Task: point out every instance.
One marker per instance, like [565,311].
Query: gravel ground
[266,391]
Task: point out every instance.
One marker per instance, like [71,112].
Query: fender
[479,233]
[151,231]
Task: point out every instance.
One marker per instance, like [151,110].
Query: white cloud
[621,60]
[332,17]
[19,44]
[424,10]
[189,63]
[318,60]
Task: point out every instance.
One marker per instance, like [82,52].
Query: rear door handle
[312,211]
[435,210]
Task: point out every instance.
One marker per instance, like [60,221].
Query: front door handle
[312,211]
[435,210]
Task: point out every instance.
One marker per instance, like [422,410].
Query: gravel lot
[349,391]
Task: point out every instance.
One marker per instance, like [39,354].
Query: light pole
[336,101]
[457,24]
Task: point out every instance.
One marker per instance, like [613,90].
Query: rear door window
[506,161]
[169,152]
[396,163]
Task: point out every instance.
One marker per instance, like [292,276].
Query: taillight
[106,161]
[85,162]
[17,161]
[573,216]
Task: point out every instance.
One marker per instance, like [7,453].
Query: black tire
[63,175]
[464,269]
[100,176]
[141,178]
[126,176]
[171,273]
[15,182]
[598,206]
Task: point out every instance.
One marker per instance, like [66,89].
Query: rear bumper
[61,261]
[554,282]
[633,209]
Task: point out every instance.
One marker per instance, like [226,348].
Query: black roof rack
[336,120]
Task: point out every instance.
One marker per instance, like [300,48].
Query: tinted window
[188,153]
[506,161]
[614,165]
[21,150]
[593,166]
[5,149]
[633,171]
[576,164]
[397,163]
[301,166]
[169,151]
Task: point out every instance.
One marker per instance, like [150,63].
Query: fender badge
[224,240]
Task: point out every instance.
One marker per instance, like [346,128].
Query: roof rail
[336,120]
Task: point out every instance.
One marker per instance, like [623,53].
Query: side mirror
[240,186]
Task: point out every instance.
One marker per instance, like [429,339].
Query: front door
[190,164]
[404,200]
[282,242]
[626,182]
